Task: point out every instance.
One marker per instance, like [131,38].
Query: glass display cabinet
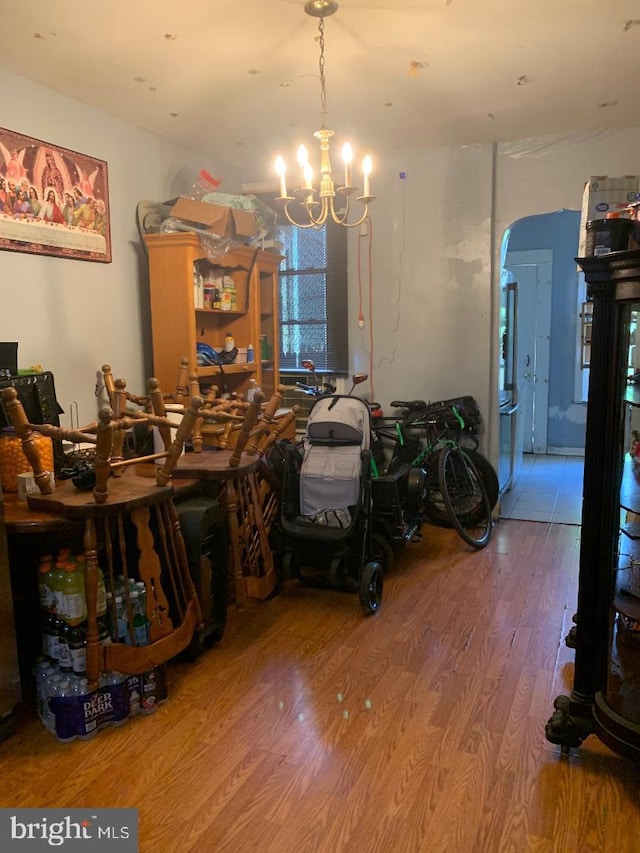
[605,699]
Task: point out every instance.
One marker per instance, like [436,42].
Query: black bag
[466,407]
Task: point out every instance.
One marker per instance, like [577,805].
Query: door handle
[510,411]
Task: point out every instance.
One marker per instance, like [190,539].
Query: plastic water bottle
[140,623]
[122,622]
[52,691]
[251,393]
[114,684]
[43,672]
[62,705]
[86,726]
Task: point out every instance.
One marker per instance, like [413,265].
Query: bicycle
[452,479]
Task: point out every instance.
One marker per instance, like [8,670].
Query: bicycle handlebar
[324,390]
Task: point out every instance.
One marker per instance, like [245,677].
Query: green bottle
[45,584]
[75,602]
[57,580]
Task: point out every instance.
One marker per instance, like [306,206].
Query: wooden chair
[187,386]
[128,515]
[238,482]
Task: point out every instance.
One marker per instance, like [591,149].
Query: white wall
[73,316]
[436,246]
[436,242]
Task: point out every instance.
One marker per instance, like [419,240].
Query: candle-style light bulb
[366,170]
[347,156]
[303,159]
[307,175]
[281,168]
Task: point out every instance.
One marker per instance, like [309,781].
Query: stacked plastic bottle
[66,706]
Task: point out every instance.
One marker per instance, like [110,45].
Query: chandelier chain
[323,84]
[319,202]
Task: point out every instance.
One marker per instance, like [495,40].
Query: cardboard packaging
[603,195]
[229,222]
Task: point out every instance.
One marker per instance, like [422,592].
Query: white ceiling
[238,79]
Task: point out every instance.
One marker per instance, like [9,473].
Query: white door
[532,271]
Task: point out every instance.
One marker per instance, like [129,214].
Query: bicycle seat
[409,405]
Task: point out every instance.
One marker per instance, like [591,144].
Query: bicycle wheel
[433,503]
[435,507]
[465,496]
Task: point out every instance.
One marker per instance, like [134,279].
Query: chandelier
[317,204]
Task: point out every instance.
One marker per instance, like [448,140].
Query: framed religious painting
[53,201]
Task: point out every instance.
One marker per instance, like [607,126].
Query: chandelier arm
[318,221]
[297,224]
[343,220]
[314,222]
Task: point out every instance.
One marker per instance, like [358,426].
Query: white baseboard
[565,451]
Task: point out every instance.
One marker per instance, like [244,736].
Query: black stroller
[326,502]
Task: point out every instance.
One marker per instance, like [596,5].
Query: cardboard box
[603,195]
[223,221]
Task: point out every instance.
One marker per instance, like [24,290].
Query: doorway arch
[553,236]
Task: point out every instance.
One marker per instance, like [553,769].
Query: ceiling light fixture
[318,211]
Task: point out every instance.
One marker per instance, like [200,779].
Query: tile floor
[549,488]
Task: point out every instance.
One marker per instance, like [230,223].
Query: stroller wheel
[371,588]
[381,551]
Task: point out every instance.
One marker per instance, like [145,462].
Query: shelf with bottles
[178,267]
[219,288]
[227,370]
[68,706]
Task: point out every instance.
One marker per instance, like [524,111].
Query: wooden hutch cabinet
[605,699]
[177,324]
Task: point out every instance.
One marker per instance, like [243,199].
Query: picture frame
[53,201]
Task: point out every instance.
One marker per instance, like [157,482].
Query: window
[313,298]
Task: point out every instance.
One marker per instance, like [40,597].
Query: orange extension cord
[368,236]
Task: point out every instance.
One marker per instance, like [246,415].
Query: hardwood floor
[311,727]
